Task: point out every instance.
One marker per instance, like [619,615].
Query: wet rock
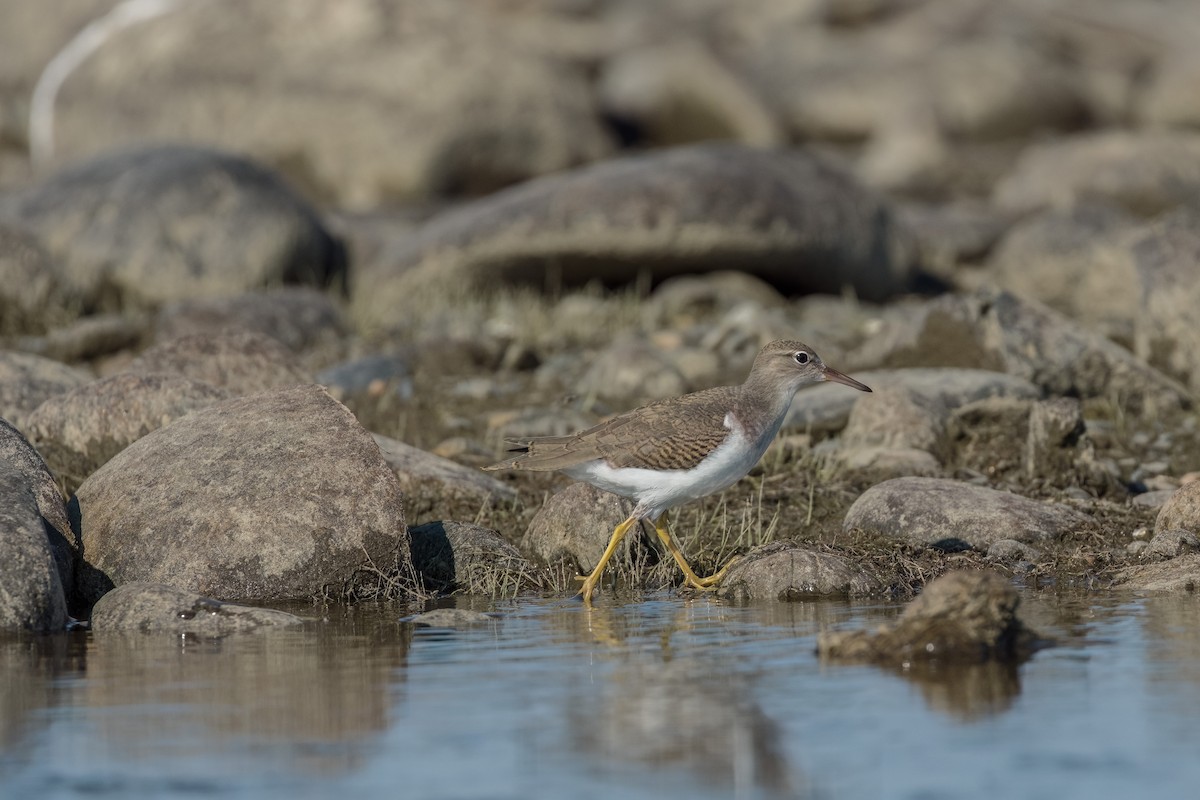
[464,557]
[451,618]
[315,92]
[1144,172]
[632,369]
[785,216]
[1180,574]
[1072,260]
[952,515]
[1182,510]
[18,454]
[430,481]
[32,598]
[1171,543]
[299,317]
[242,362]
[81,429]
[678,92]
[1167,325]
[26,381]
[144,227]
[155,608]
[576,524]
[789,572]
[827,407]
[280,495]
[89,338]
[962,617]
[29,298]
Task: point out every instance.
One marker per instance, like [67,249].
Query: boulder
[26,381]
[576,524]
[242,362]
[151,225]
[153,607]
[789,572]
[31,592]
[79,430]
[279,495]
[953,515]
[464,557]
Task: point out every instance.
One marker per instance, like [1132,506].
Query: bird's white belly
[655,491]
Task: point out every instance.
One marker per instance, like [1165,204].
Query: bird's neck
[761,406]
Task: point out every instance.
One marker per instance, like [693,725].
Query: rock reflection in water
[966,692]
[304,691]
[30,666]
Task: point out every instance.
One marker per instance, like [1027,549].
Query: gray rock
[88,338]
[79,430]
[631,368]
[689,299]
[1056,432]
[1181,511]
[18,454]
[1073,260]
[280,495]
[29,295]
[898,417]
[1172,543]
[827,407]
[870,462]
[788,217]
[1167,325]
[153,607]
[26,381]
[949,234]
[1011,551]
[299,317]
[462,556]
[144,227]
[787,571]
[366,104]
[1152,499]
[1180,574]
[242,362]
[432,482]
[31,592]
[576,525]
[950,514]
[451,618]
[1145,172]
[962,617]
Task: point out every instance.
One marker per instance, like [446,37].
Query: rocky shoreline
[215,391]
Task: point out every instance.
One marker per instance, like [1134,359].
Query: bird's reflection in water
[697,715]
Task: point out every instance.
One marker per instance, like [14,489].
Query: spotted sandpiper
[674,451]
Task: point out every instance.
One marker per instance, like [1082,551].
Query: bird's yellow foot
[711,582]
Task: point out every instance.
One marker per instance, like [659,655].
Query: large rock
[299,317]
[19,454]
[152,607]
[144,227]
[431,482]
[1182,510]
[26,381]
[362,102]
[273,496]
[464,557]
[789,217]
[79,430]
[576,524]
[786,571]
[242,361]
[1144,172]
[962,617]
[31,592]
[950,514]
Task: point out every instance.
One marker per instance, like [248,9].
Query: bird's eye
[801,357]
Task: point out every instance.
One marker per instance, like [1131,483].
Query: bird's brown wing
[670,434]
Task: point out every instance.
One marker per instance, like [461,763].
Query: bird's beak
[846,380]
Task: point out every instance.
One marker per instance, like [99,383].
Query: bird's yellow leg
[690,577]
[589,583]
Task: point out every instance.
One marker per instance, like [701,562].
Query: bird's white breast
[655,491]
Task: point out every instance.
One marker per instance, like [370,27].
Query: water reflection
[31,666]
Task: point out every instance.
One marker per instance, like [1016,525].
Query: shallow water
[661,697]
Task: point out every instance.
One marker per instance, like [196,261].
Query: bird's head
[794,364]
